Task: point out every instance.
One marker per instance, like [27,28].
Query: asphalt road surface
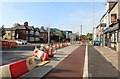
[69,68]
[99,67]
[15,54]
[72,66]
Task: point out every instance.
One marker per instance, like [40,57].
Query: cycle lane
[69,68]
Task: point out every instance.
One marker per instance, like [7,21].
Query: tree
[2,31]
[83,37]
[16,24]
[89,36]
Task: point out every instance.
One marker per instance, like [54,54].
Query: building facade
[108,32]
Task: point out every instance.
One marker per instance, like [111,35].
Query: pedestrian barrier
[37,53]
[5,44]
[58,46]
[61,45]
[13,44]
[30,63]
[40,54]
[8,44]
[18,69]
[5,72]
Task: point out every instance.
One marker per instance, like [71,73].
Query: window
[112,38]
[119,37]
[8,34]
[113,18]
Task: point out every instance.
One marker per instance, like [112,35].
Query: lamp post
[93,23]
[81,29]
[49,35]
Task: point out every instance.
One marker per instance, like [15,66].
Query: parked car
[21,41]
[96,43]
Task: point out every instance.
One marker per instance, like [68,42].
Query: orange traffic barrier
[45,57]
[51,51]
[7,44]
[18,69]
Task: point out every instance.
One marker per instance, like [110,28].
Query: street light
[49,35]
[81,29]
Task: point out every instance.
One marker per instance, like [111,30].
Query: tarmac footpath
[99,66]
[71,67]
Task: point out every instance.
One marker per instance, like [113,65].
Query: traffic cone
[51,51]
[45,57]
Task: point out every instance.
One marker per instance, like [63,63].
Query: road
[18,53]
[99,66]
[72,67]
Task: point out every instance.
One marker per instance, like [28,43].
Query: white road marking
[85,72]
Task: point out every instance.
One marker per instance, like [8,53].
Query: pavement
[59,55]
[109,54]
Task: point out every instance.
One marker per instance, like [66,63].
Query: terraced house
[25,32]
[108,32]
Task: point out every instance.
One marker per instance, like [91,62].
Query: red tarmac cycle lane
[69,68]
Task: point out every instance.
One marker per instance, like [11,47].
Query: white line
[85,72]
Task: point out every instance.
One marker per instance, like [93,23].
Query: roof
[112,7]
[8,29]
[55,29]
[23,27]
[19,27]
[42,29]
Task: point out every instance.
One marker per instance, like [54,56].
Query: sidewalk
[58,57]
[110,55]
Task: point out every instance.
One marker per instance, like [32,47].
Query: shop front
[113,36]
[106,36]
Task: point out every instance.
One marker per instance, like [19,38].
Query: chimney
[25,23]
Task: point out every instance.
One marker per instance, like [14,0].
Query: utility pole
[93,22]
[81,29]
[49,35]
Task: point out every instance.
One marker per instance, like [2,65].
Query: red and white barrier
[4,71]
[45,57]
[40,54]
[18,69]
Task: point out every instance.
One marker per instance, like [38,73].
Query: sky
[61,15]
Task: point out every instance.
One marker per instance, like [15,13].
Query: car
[96,43]
[21,41]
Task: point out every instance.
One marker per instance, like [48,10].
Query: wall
[10,35]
